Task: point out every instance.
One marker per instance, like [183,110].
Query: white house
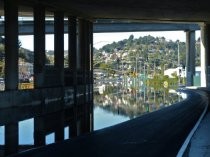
[178,71]
[181,72]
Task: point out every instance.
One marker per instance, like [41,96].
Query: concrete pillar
[39,68]
[59,132]
[85,42]
[72,130]
[59,45]
[203,58]
[81,59]
[39,46]
[39,131]
[190,57]
[82,51]
[11,138]
[72,29]
[88,78]
[11,45]
[91,74]
[11,68]
[205,55]
[81,46]
[85,53]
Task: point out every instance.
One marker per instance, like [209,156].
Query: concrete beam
[135,27]
[26,27]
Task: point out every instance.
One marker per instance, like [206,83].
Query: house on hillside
[175,71]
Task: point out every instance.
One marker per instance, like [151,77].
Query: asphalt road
[157,134]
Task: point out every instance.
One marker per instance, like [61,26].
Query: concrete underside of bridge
[161,10]
[64,96]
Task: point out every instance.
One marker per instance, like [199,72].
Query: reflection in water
[50,138]
[39,124]
[116,105]
[26,131]
[44,116]
[104,118]
[2,132]
[66,133]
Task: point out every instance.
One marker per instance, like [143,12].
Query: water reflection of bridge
[52,109]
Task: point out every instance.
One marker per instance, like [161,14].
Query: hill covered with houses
[132,54]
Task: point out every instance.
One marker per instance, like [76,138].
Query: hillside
[148,49]
[24,54]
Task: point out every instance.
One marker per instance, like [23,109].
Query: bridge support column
[88,75]
[39,65]
[59,131]
[39,46]
[80,49]
[72,30]
[11,68]
[190,57]
[82,52]
[39,131]
[205,55]
[91,74]
[11,138]
[59,64]
[11,45]
[59,45]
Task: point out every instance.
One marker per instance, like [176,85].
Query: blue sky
[101,39]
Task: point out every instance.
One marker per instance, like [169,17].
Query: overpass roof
[151,10]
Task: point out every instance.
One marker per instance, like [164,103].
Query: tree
[19,44]
[131,37]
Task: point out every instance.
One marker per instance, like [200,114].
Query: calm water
[114,107]
[110,108]
[26,131]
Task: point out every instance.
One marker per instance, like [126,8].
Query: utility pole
[179,72]
[178,54]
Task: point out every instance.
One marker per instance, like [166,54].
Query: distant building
[98,73]
[26,68]
[197,77]
[178,71]
[182,73]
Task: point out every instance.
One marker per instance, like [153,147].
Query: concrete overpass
[54,84]
[26,27]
